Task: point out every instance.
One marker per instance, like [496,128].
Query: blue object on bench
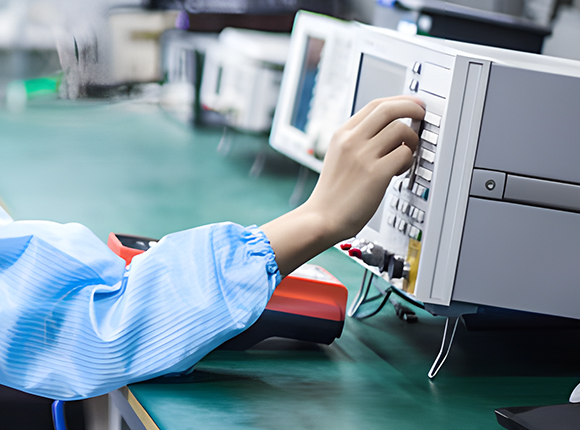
[58,415]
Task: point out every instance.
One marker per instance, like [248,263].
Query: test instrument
[489,214]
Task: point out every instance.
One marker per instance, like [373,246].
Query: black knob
[384,267]
[396,267]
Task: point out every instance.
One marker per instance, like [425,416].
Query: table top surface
[131,168]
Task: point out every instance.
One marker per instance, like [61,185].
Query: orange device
[308,305]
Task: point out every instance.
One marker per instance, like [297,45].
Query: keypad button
[403,206]
[430,137]
[401,225]
[413,231]
[414,85]
[399,185]
[433,119]
[424,173]
[418,189]
[427,155]
[420,216]
[421,191]
[417,68]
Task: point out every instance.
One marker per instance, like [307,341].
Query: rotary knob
[398,268]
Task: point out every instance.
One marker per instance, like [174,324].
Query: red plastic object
[310,291]
[125,252]
[318,296]
[354,252]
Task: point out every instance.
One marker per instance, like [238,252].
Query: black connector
[396,268]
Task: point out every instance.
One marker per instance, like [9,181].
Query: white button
[391,220]
[428,155]
[414,85]
[403,206]
[394,202]
[415,233]
[417,68]
[399,185]
[401,225]
[425,173]
[431,118]
[429,136]
[418,189]
[420,215]
[415,213]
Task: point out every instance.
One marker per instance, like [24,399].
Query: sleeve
[75,323]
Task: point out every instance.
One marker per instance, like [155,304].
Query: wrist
[324,224]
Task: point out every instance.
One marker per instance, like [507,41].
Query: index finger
[385,113]
[359,116]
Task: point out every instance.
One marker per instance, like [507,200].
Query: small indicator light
[490,185]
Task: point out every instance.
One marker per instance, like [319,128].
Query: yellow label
[413,255]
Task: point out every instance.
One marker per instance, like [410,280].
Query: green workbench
[131,168]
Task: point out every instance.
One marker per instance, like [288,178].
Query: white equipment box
[490,212]
[241,77]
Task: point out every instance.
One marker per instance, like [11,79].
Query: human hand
[363,155]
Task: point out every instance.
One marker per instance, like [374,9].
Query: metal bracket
[450,327]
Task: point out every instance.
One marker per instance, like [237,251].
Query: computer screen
[377,78]
[307,83]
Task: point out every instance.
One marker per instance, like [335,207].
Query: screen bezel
[284,137]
